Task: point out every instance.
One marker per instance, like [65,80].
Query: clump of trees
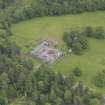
[99,79]
[77,41]
[97,33]
[19,11]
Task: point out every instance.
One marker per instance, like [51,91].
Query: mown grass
[28,32]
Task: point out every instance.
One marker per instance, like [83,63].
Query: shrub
[88,31]
[99,33]
[77,71]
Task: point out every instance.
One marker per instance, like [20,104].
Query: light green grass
[90,62]
[26,33]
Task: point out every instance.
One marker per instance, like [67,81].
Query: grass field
[27,32]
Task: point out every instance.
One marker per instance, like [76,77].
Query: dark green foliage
[99,33]
[19,11]
[99,79]
[75,41]
[88,31]
[94,102]
[3,98]
[67,97]
[78,100]
[5,3]
[77,71]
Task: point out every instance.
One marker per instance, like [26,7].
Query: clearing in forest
[90,62]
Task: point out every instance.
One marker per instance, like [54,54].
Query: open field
[27,32]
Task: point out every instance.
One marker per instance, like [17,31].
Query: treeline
[40,8]
[5,3]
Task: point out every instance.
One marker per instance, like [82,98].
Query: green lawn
[28,32]
[90,62]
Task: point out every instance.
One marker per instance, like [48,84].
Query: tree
[47,104]
[78,100]
[52,96]
[68,97]
[12,93]
[11,75]
[77,48]
[77,71]
[94,102]
[5,81]
[99,33]
[43,99]
[88,31]
[58,101]
[41,86]
[99,79]
[75,41]
[29,86]
[3,100]
[21,82]
[81,89]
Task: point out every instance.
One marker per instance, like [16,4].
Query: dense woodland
[18,11]
[42,86]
